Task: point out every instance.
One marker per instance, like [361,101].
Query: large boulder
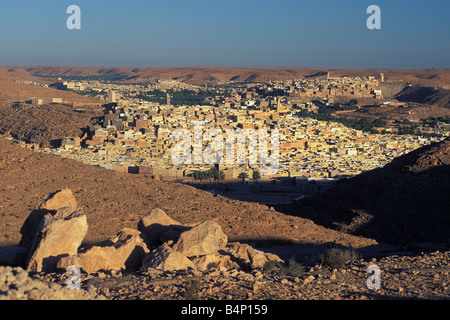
[51,204]
[123,252]
[158,227]
[164,258]
[56,236]
[59,199]
[248,257]
[206,238]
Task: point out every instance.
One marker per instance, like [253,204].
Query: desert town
[135,135]
[124,171]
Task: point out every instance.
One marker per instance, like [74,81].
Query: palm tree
[243,176]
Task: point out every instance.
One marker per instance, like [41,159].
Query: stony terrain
[391,112]
[17,284]
[11,88]
[46,125]
[406,274]
[421,276]
[198,263]
[426,95]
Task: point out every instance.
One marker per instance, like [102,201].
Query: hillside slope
[427,95]
[46,124]
[18,84]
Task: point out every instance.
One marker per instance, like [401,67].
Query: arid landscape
[431,77]
[395,217]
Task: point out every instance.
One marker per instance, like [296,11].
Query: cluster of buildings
[331,88]
[69,85]
[136,136]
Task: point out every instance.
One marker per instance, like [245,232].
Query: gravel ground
[423,276]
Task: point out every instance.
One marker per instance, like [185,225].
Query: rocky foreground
[163,259]
[402,277]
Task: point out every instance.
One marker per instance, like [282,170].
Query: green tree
[256,175]
[353,102]
[216,175]
[379,122]
[202,175]
[220,176]
[213,174]
[243,176]
[210,174]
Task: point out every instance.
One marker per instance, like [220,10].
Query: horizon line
[222,67]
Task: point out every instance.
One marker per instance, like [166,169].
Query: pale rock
[257,258]
[166,259]
[206,238]
[51,205]
[308,280]
[17,284]
[60,199]
[56,237]
[124,251]
[158,226]
[239,253]
[213,261]
[214,273]
[248,257]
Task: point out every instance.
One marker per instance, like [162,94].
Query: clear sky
[244,33]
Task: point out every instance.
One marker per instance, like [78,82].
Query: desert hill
[46,124]
[113,200]
[410,111]
[405,201]
[431,77]
[14,86]
[426,95]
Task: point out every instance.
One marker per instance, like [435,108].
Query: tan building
[112,97]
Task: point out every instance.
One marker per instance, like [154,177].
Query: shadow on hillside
[386,205]
[308,254]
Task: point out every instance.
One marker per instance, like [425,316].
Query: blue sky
[245,33]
